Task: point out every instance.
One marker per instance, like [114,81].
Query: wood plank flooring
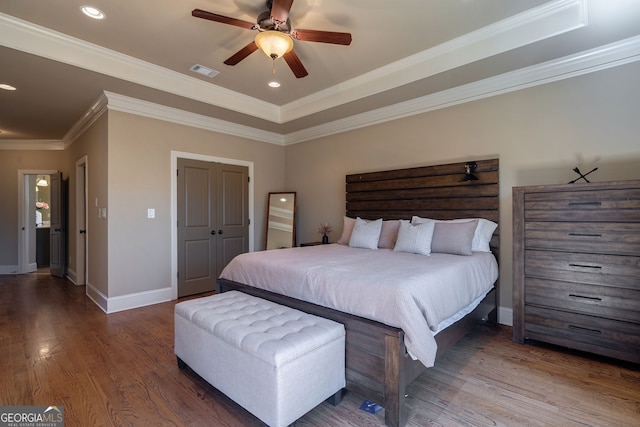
[58,348]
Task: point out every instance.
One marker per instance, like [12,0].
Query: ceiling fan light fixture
[274,43]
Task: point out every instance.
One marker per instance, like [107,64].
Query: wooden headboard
[430,191]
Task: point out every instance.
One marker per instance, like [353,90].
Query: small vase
[325,239]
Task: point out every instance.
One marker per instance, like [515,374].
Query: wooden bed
[378,365]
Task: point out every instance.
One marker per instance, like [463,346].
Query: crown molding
[130,105]
[600,58]
[528,27]
[32,144]
[545,21]
[31,38]
[96,110]
[607,56]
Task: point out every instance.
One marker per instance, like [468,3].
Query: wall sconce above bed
[469,168]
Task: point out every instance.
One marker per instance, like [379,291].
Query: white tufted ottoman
[276,362]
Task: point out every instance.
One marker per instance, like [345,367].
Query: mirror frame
[270,209]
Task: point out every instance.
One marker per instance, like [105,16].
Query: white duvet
[409,291]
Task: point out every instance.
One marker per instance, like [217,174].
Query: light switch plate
[151,213]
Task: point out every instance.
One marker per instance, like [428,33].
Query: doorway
[81,229]
[30,204]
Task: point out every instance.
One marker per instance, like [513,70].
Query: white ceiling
[406,56]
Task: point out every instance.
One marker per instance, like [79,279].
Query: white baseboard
[71,275]
[8,269]
[128,302]
[505,316]
[98,297]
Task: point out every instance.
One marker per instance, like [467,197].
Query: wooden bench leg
[336,398]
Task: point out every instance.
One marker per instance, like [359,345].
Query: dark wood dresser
[576,267]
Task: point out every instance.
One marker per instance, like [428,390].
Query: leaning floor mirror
[281,220]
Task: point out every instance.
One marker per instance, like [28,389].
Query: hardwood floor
[58,348]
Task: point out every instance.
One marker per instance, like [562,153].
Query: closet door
[233,213]
[212,222]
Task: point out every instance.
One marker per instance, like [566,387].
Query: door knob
[219,231]
[213,232]
[83,231]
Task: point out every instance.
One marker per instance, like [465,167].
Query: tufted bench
[276,362]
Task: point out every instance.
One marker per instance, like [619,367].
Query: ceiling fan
[275,35]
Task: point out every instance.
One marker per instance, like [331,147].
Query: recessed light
[7,87]
[274,84]
[93,12]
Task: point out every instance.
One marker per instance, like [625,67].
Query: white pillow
[347,229]
[415,239]
[481,236]
[365,234]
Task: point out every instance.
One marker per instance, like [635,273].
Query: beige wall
[539,135]
[140,178]
[93,144]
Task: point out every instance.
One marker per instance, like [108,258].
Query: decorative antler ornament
[582,176]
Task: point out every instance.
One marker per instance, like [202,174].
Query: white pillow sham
[365,234]
[414,238]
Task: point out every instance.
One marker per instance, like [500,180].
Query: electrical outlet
[104,212]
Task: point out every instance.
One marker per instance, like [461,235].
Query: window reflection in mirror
[281,220]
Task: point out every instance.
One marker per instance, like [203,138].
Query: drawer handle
[584,235]
[587,330]
[585,266]
[585,297]
[585,203]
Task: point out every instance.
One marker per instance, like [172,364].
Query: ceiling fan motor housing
[265,23]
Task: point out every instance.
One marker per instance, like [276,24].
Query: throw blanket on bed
[408,291]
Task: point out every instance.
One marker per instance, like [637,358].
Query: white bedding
[409,291]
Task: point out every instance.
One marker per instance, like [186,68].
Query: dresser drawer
[602,301]
[595,269]
[588,333]
[611,206]
[590,237]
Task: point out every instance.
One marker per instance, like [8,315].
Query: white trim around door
[175,155]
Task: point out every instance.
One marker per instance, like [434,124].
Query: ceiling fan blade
[295,64]
[241,54]
[280,10]
[199,13]
[322,36]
